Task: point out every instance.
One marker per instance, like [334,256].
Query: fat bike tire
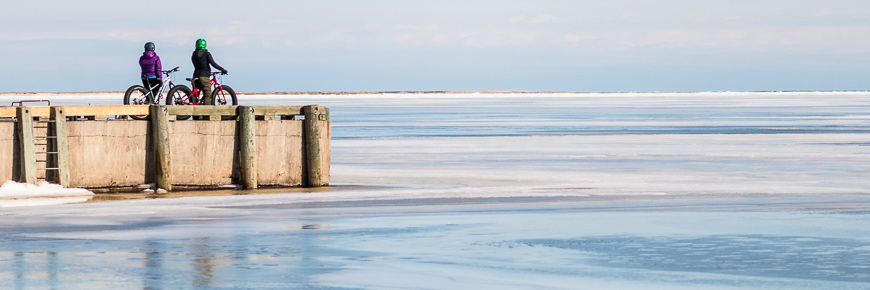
[225,96]
[137,95]
[177,96]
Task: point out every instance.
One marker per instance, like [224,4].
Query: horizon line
[411,92]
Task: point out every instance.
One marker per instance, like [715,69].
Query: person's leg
[147,84]
[206,90]
[155,91]
[196,85]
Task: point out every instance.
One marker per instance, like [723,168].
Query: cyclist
[151,69]
[202,62]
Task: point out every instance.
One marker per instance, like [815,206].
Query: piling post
[162,153]
[248,146]
[60,147]
[27,146]
[311,126]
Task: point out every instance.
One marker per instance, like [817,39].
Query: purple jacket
[150,63]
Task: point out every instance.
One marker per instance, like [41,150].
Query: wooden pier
[98,147]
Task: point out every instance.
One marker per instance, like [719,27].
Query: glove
[223,72]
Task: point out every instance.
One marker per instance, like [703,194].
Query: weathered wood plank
[312,145]
[125,110]
[111,110]
[248,147]
[27,172]
[8,112]
[38,111]
[162,153]
[202,110]
[107,110]
[278,110]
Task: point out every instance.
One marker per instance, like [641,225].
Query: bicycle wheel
[177,96]
[137,95]
[223,97]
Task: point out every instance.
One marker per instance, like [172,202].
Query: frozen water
[556,243]
[503,191]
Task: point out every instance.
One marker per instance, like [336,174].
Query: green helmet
[200,43]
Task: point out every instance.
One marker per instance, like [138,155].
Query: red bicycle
[221,94]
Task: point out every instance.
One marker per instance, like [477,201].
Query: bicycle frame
[215,86]
[164,87]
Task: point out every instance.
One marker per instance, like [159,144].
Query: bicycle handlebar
[167,72]
[214,74]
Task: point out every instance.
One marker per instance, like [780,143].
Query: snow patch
[14,194]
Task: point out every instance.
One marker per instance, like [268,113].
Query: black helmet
[149,46]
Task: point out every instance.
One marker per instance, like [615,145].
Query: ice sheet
[545,191]
[499,145]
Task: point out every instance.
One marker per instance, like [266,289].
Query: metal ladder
[49,156]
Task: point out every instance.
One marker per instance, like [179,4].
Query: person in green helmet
[202,63]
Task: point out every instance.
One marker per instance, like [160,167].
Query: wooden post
[57,128]
[162,153]
[311,126]
[248,146]
[27,146]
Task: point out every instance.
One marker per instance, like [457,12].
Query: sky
[394,45]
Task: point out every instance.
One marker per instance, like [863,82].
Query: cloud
[539,19]
[762,39]
[552,25]
[546,33]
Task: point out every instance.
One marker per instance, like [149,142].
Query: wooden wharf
[98,147]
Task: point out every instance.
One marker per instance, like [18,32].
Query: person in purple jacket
[151,70]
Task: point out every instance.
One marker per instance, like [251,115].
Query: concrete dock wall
[118,153]
[203,152]
[8,146]
[279,167]
[108,153]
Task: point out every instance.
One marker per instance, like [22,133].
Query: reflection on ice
[655,242]
[833,259]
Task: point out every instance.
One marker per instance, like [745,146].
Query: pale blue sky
[616,45]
